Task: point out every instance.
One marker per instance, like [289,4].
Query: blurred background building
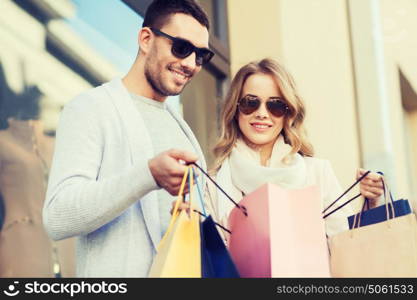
[354,61]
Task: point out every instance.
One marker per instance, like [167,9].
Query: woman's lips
[260,127]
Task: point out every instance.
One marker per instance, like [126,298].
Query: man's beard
[157,85]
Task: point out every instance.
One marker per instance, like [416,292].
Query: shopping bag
[215,258]
[383,249]
[283,234]
[179,252]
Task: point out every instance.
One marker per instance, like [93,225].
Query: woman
[263,140]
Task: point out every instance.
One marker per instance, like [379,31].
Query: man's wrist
[151,172]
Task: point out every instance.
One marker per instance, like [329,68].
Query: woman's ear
[145,39]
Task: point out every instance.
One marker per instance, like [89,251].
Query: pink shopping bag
[282,236]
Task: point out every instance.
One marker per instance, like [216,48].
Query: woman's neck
[265,154]
[265,151]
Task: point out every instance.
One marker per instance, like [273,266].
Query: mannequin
[25,158]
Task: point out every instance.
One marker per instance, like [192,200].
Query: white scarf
[242,172]
[248,174]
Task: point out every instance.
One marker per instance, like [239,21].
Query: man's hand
[371,186]
[168,171]
[183,206]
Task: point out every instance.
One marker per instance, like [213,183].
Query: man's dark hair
[159,12]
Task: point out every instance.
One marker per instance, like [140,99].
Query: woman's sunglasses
[275,106]
[182,48]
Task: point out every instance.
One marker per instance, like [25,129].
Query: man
[120,150]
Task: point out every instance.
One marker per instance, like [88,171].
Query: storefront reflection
[25,158]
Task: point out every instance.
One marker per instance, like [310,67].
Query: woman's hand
[371,186]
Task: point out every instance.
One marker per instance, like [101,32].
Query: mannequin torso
[25,249]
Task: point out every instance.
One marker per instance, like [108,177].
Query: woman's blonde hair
[293,130]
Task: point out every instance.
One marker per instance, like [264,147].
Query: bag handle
[240,207]
[344,193]
[200,194]
[204,214]
[175,212]
[357,218]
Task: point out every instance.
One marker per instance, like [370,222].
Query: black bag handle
[204,214]
[215,223]
[344,193]
[240,207]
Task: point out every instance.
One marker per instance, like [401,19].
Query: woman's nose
[262,111]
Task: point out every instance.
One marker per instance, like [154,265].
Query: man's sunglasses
[182,48]
[275,106]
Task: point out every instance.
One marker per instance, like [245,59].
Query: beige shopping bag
[386,249]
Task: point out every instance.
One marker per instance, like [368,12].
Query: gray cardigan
[100,187]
